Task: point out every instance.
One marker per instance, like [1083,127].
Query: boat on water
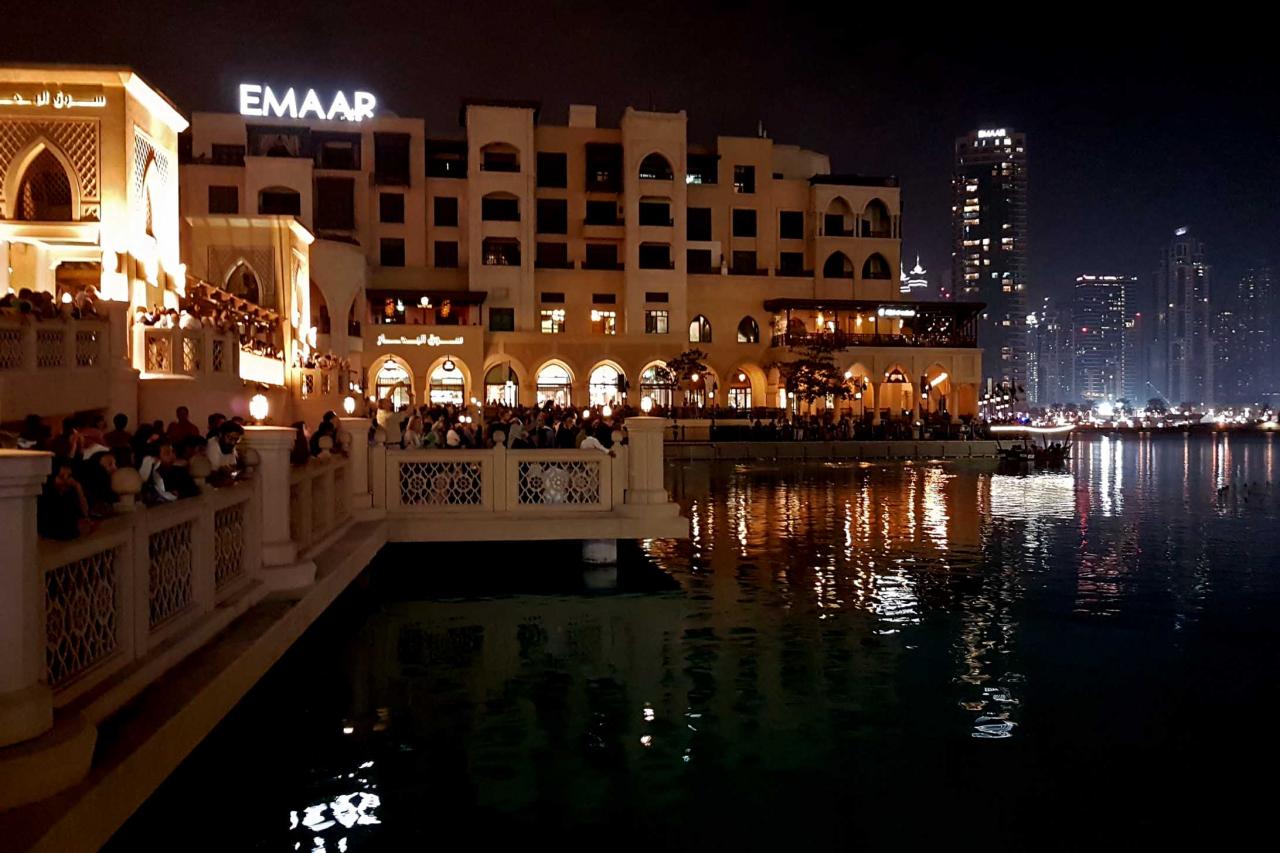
[1025,447]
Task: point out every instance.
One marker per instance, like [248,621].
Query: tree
[814,374]
[685,365]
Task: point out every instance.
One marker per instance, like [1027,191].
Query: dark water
[877,656]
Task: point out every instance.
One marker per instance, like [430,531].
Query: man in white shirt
[221,449]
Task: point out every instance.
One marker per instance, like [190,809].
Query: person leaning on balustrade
[221,451]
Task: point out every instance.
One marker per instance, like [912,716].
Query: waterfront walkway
[121,650]
[825,451]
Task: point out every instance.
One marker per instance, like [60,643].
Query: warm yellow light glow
[693,378]
[259,368]
[742,377]
[258,407]
[66,298]
[349,405]
[646,404]
[848,374]
[938,380]
[607,411]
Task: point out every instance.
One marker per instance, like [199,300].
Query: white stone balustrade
[60,365]
[185,352]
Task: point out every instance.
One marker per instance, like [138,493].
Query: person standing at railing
[567,435]
[223,458]
[119,438]
[62,510]
[413,437]
[182,428]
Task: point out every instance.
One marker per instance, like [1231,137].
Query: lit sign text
[420,340]
[259,100]
[897,312]
[990,134]
[59,100]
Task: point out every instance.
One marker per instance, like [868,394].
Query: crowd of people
[79,492]
[39,305]
[828,427]
[516,427]
[257,331]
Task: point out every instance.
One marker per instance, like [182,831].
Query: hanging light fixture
[448,365]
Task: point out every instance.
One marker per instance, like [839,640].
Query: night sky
[1131,132]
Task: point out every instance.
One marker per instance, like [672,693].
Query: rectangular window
[744,223]
[702,169]
[602,213]
[699,261]
[335,204]
[336,150]
[551,297]
[500,252]
[553,216]
[698,224]
[655,321]
[791,224]
[224,199]
[604,299]
[604,322]
[553,256]
[391,252]
[552,321]
[500,209]
[602,256]
[446,254]
[500,159]
[833,226]
[279,203]
[744,263]
[744,179]
[655,213]
[502,319]
[604,167]
[553,169]
[655,296]
[228,155]
[391,159]
[791,263]
[655,256]
[391,207]
[446,159]
[445,210]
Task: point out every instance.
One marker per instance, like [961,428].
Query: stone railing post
[281,568]
[645,462]
[378,473]
[26,703]
[358,464]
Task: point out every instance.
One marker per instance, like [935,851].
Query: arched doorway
[863,398]
[501,386]
[935,390]
[446,385]
[657,384]
[554,383]
[740,390]
[243,282]
[393,381]
[604,385]
[895,397]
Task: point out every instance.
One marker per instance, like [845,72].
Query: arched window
[876,268]
[279,201]
[655,167]
[656,383]
[150,200]
[499,157]
[700,330]
[445,384]
[838,220]
[501,386]
[554,384]
[748,331]
[243,282]
[500,207]
[876,221]
[604,386]
[395,382]
[838,265]
[45,192]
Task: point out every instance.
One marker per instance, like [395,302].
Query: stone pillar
[358,462]
[281,568]
[645,462]
[26,703]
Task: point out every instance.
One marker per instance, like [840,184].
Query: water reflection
[836,637]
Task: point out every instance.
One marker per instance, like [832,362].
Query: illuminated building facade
[989,244]
[514,260]
[1098,321]
[1182,358]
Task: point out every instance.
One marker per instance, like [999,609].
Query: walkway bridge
[121,650]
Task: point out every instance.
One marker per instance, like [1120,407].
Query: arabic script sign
[420,340]
[56,98]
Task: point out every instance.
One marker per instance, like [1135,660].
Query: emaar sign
[259,100]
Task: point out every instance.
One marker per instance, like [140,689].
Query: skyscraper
[1182,355]
[989,244]
[1098,321]
[1256,307]
[1050,360]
